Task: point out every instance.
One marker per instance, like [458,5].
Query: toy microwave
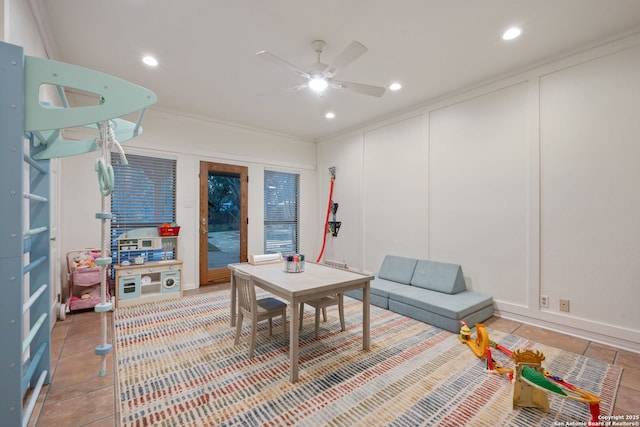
[140,244]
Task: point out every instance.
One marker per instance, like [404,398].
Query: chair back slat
[246,291]
[248,309]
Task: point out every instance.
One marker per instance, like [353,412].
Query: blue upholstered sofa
[429,291]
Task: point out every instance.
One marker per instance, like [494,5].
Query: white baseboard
[622,338]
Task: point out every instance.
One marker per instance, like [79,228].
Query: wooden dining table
[316,281]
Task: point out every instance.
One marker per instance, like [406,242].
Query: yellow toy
[526,392]
[532,382]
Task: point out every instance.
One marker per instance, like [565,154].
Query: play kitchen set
[148,268]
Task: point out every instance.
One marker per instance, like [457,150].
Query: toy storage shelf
[136,284]
[147,249]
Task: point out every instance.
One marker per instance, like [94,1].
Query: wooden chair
[322,304]
[256,309]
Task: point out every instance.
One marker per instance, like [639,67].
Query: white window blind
[144,194]
[281,200]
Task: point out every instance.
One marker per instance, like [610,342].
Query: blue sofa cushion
[373,299]
[451,325]
[381,287]
[451,306]
[397,269]
[439,276]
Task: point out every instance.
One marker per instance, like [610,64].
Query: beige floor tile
[39,403]
[57,344]
[60,329]
[68,388]
[601,352]
[82,367]
[208,288]
[109,421]
[618,411]
[85,345]
[503,325]
[631,379]
[88,327]
[552,338]
[78,410]
[628,400]
[628,359]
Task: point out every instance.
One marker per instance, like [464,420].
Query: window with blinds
[144,194]
[281,200]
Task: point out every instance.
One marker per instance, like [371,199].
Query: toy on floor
[532,382]
[84,259]
[84,280]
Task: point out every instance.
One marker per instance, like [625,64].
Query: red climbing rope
[326,223]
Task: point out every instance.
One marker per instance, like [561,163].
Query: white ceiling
[208,67]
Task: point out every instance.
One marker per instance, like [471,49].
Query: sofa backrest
[439,276]
[397,269]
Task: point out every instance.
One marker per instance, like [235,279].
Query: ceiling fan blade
[297,88]
[279,61]
[276,95]
[354,51]
[359,88]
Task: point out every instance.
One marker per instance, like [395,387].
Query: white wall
[395,183]
[590,171]
[529,183]
[347,192]
[3,18]
[190,141]
[478,190]
[20,27]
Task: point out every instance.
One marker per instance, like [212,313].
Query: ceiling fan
[320,76]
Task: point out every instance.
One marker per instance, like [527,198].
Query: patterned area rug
[177,366]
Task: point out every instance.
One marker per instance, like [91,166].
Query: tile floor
[78,396]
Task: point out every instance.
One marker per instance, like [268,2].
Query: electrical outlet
[544,301]
[564,305]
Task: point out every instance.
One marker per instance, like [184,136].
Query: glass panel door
[223,219]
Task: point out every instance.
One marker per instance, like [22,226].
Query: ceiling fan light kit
[320,76]
[318,83]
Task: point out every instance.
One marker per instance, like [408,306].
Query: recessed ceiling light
[330,115]
[511,33]
[395,86]
[150,61]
